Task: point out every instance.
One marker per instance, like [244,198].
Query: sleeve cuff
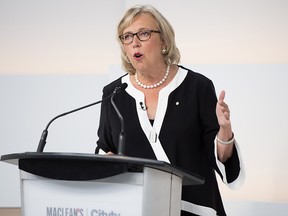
[239,181]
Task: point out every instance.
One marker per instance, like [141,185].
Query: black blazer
[187,134]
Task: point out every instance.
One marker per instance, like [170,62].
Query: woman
[171,113]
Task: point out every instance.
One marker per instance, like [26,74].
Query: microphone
[44,135]
[143,107]
[121,140]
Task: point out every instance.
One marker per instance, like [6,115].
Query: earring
[163,50]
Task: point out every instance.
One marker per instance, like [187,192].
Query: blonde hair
[171,55]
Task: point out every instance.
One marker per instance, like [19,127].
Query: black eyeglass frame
[137,34]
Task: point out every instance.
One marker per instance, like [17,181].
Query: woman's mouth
[137,55]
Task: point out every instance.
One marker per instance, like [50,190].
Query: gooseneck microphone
[44,135]
[143,106]
[121,140]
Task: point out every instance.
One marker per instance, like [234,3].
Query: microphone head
[123,86]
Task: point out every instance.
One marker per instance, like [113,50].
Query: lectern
[70,184]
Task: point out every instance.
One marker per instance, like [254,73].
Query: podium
[70,184]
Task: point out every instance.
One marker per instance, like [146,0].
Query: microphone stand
[121,141]
[44,135]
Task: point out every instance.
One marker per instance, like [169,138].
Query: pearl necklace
[156,84]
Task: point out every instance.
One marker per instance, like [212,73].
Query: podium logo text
[60,211]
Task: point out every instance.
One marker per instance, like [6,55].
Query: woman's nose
[136,42]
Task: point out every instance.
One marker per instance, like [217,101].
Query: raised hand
[225,135]
[223,112]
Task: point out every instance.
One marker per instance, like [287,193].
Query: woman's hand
[223,112]
[225,132]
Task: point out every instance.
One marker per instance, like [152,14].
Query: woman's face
[144,55]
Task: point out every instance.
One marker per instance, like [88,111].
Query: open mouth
[137,55]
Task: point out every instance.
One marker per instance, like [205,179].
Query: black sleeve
[210,130]
[209,123]
[232,166]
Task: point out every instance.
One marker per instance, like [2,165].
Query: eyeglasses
[142,35]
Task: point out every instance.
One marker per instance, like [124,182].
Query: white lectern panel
[162,193]
[149,193]
[50,197]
